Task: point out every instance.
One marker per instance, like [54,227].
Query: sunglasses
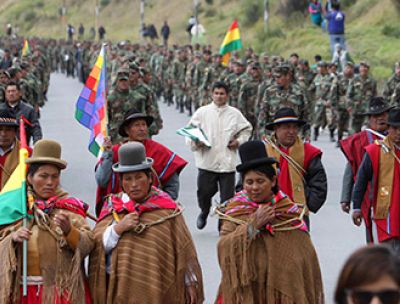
[389,296]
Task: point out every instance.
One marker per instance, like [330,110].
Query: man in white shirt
[225,128]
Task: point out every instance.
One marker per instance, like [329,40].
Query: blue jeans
[337,39]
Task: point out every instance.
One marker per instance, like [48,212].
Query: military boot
[316,133]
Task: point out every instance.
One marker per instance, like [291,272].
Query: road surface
[333,234]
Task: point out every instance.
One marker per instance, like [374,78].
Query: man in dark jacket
[301,174]
[165,31]
[16,105]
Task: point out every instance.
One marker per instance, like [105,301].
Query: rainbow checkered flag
[91,107]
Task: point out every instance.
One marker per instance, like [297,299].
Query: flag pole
[22,157]
[106,88]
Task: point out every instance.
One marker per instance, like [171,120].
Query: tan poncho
[146,268]
[280,268]
[61,266]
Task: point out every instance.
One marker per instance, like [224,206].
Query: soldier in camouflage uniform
[211,75]
[142,98]
[165,76]
[147,89]
[235,81]
[360,91]
[248,95]
[304,74]
[118,104]
[322,106]
[178,74]
[4,79]
[191,84]
[391,92]
[342,107]
[283,93]
[198,77]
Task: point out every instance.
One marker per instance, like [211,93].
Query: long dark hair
[365,266]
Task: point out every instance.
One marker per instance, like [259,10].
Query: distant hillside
[373,26]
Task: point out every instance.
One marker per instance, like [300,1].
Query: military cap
[323,64]
[123,74]
[364,63]
[303,62]
[240,62]
[133,66]
[255,65]
[24,65]
[332,64]
[143,71]
[349,63]
[197,54]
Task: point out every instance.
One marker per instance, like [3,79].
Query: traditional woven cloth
[147,267]
[278,266]
[60,265]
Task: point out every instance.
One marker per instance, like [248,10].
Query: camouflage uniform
[178,74]
[341,105]
[276,97]
[211,75]
[391,92]
[359,93]
[324,113]
[198,76]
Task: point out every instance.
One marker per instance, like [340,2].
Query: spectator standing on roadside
[165,31]
[315,10]
[336,19]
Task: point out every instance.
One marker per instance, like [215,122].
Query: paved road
[332,232]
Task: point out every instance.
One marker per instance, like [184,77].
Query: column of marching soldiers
[323,94]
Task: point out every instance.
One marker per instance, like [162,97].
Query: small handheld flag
[91,107]
[232,42]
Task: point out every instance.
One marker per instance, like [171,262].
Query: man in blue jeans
[336,19]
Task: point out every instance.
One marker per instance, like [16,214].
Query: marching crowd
[263,108]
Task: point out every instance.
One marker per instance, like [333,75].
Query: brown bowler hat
[47,151]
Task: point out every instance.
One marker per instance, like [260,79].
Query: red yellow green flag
[26,49]
[232,42]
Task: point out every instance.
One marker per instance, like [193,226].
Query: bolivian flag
[26,49]
[13,195]
[232,42]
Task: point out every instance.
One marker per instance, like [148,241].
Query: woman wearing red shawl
[265,252]
[58,238]
[144,252]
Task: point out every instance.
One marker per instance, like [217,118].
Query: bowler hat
[133,114]
[132,157]
[377,105]
[394,117]
[47,151]
[284,115]
[253,154]
[8,118]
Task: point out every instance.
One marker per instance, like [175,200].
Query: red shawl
[118,203]
[284,182]
[166,163]
[353,147]
[390,227]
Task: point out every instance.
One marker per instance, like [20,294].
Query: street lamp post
[141,19]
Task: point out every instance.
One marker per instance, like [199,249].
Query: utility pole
[141,19]
[266,15]
[196,16]
[96,14]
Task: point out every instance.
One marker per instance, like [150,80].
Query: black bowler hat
[253,154]
[394,117]
[133,114]
[8,118]
[377,105]
[284,115]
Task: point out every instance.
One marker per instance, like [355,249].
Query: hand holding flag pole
[23,154]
